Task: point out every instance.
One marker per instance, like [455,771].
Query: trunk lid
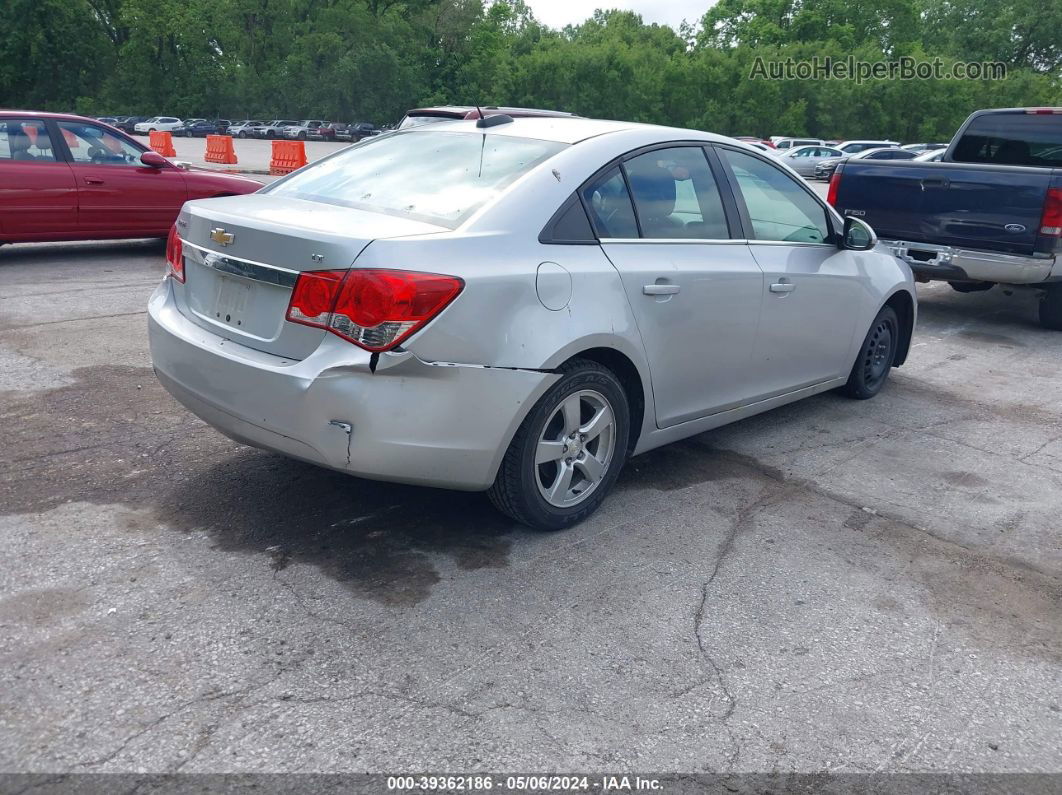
[242,255]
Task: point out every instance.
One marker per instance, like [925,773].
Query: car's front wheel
[876,356]
[568,451]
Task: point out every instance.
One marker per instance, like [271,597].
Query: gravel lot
[833,586]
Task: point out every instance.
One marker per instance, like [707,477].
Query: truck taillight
[1051,220]
[835,183]
[375,309]
[175,255]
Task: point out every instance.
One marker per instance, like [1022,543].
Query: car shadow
[381,541]
[85,251]
[943,309]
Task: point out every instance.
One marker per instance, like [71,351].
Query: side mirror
[857,235]
[154,160]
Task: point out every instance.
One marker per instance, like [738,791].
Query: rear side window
[1012,139]
[433,176]
[25,141]
[675,194]
[779,208]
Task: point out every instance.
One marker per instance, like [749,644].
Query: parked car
[186,125]
[418,116]
[855,147]
[199,128]
[329,130]
[752,139]
[222,126]
[66,177]
[304,129]
[782,144]
[357,130]
[111,120]
[931,156]
[244,129]
[989,212]
[825,168]
[919,148]
[160,123]
[127,123]
[388,331]
[272,129]
[804,159]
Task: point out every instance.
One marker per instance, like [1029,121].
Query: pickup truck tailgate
[965,205]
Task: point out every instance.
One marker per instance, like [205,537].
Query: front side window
[25,141]
[610,206]
[779,208]
[91,144]
[433,176]
[675,194]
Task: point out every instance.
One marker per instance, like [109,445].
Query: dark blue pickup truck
[989,212]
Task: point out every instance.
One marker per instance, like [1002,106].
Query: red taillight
[375,309]
[175,255]
[835,183]
[1051,220]
[313,297]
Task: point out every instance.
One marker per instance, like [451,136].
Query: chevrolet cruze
[519,306]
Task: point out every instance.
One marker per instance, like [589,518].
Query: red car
[65,177]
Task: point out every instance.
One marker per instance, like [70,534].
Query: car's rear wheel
[1051,308]
[568,451]
[876,355]
[241,134]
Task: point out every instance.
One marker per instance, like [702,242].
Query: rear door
[116,193]
[694,288]
[813,292]
[38,194]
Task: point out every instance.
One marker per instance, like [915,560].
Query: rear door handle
[661,289]
[783,287]
[93,181]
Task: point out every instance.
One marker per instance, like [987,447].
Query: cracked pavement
[833,586]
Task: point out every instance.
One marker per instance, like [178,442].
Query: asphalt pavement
[834,586]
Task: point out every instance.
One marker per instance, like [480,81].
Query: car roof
[567,130]
[460,111]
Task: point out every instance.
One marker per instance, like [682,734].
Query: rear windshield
[419,119]
[1012,139]
[437,177]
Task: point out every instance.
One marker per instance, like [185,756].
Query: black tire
[971,287]
[302,136]
[1051,308]
[876,355]
[516,490]
[241,134]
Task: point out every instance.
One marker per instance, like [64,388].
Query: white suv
[160,123]
[854,147]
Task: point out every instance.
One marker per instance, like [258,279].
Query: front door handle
[661,289]
[93,181]
[783,287]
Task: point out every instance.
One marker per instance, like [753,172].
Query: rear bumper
[409,421]
[948,263]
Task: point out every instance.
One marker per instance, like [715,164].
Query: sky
[558,13]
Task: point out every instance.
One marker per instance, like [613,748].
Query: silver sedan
[803,159]
[519,306]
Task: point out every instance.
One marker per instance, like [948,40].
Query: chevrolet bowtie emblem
[221,237]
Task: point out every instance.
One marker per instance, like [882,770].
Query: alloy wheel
[575,448]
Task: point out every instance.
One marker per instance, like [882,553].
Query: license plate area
[232,300]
